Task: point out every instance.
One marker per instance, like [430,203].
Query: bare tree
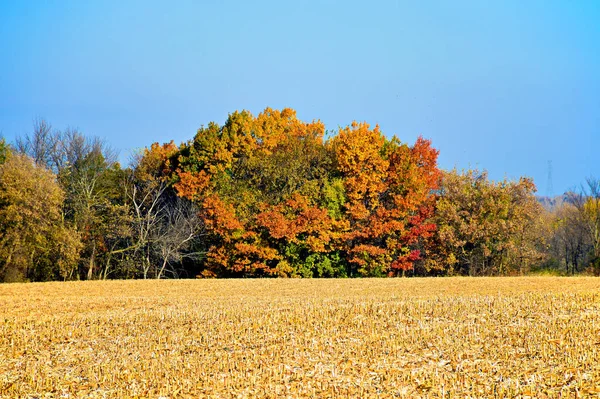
[173,240]
[570,241]
[56,150]
[166,228]
[587,202]
[40,145]
[592,212]
[146,200]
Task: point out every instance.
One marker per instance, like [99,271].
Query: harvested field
[398,338]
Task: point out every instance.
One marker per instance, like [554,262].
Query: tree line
[271,195]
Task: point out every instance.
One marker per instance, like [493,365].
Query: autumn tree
[278,200]
[486,227]
[236,171]
[35,242]
[390,195]
[308,238]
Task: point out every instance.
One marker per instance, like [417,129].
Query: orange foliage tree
[390,189]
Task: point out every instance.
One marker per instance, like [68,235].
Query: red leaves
[405,262]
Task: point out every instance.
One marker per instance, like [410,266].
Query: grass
[446,337]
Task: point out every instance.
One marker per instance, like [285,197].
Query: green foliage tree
[93,202]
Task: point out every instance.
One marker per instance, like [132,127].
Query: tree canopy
[272,195]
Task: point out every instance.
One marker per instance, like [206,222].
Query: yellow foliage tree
[35,244]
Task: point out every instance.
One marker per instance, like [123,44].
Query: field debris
[382,338]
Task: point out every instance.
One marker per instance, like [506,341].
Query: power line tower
[549,185]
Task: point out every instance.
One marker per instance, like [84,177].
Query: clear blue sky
[500,85]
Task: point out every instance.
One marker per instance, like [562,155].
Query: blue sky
[505,86]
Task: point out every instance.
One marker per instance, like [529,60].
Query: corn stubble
[399,338]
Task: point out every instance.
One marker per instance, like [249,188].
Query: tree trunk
[162,269]
[90,273]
